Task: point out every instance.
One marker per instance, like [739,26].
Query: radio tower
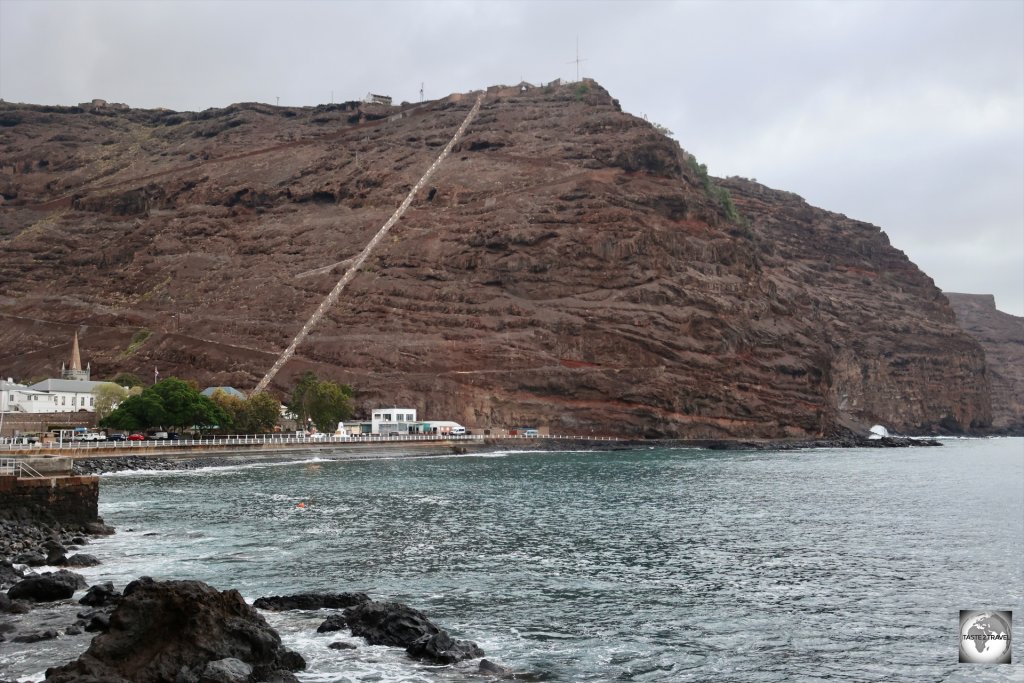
[577,61]
[421,91]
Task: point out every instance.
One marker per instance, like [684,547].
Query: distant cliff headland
[566,265]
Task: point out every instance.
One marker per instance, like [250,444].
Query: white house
[392,420]
[18,398]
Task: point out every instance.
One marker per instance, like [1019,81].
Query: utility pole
[421,91]
[278,101]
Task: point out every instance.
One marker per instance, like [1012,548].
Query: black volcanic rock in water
[280,603]
[444,649]
[389,623]
[181,631]
[398,625]
[47,587]
[100,595]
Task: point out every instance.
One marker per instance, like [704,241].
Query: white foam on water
[215,469]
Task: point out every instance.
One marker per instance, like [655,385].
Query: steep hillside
[1001,335]
[567,266]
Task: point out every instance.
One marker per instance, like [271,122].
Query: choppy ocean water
[640,565]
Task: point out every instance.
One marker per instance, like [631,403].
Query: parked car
[136,437]
[173,436]
[158,436]
[319,436]
[117,437]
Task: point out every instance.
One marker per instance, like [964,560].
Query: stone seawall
[69,501]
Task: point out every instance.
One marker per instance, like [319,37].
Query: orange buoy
[301,505]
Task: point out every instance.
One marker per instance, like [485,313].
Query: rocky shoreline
[183,631]
[189,632]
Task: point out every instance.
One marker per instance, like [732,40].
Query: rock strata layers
[569,266]
[1001,335]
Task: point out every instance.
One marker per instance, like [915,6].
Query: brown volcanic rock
[1001,335]
[566,266]
[895,354]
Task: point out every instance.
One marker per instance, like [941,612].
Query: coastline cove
[646,564]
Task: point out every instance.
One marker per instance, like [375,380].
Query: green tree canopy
[323,401]
[128,379]
[170,403]
[297,402]
[263,412]
[108,396]
[253,415]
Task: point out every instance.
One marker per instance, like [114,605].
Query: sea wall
[69,501]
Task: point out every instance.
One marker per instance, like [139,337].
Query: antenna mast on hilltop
[577,61]
[421,91]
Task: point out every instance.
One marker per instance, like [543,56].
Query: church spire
[76,358]
[74,370]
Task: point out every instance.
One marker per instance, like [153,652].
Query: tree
[263,412]
[168,403]
[297,402]
[253,415]
[233,408]
[128,379]
[329,404]
[325,402]
[108,396]
[135,413]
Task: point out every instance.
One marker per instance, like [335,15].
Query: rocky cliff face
[1001,335]
[567,266]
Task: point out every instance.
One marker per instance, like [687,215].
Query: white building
[389,421]
[18,398]
[69,395]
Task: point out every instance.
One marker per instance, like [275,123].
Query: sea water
[637,565]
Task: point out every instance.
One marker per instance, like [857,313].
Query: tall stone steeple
[74,369]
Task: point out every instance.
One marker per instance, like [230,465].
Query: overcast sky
[908,115]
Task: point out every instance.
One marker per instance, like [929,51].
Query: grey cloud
[904,114]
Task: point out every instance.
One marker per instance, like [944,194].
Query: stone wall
[30,423]
[70,501]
